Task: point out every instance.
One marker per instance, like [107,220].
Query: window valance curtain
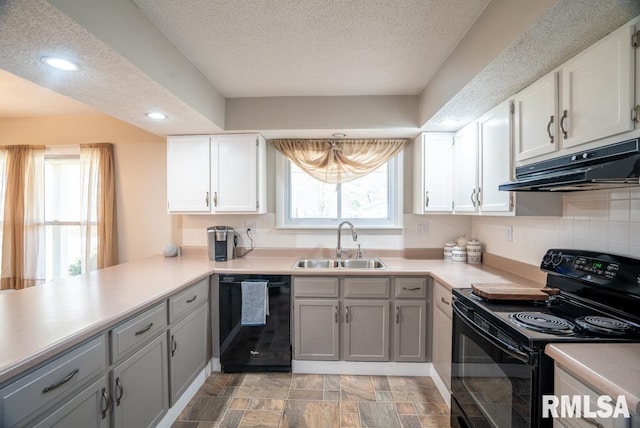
[99,201]
[339,161]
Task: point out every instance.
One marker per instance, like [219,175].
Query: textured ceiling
[249,48]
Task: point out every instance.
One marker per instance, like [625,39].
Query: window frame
[395,201]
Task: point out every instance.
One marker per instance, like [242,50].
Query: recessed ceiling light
[156,115]
[59,63]
[338,135]
[449,122]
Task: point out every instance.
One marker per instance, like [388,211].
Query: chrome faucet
[339,251]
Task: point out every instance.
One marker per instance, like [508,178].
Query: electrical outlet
[422,228]
[509,233]
[251,225]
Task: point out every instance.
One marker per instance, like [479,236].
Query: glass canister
[459,254]
[448,247]
[474,251]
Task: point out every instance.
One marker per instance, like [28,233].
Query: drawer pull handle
[444,301]
[66,379]
[174,346]
[564,117]
[411,288]
[144,330]
[119,391]
[549,129]
[107,403]
[193,299]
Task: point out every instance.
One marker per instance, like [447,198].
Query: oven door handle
[504,347]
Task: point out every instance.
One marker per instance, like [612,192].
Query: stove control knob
[547,258]
[556,259]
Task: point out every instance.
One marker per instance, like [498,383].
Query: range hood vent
[613,166]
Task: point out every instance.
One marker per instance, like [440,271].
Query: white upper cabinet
[238,173]
[188,181]
[494,160]
[432,173]
[536,119]
[216,174]
[589,98]
[597,90]
[465,165]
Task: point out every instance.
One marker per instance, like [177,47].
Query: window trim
[283,221]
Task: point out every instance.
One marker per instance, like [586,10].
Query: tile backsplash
[418,232]
[603,220]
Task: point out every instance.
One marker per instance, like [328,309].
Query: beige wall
[144,227]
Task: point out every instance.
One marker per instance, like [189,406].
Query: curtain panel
[99,204]
[23,263]
[339,161]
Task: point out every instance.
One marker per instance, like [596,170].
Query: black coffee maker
[222,243]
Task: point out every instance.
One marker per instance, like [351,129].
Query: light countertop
[38,322]
[610,369]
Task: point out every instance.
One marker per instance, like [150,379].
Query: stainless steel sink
[316,264]
[363,264]
[371,263]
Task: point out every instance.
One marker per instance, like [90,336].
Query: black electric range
[499,345]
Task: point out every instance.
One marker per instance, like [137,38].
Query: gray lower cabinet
[409,330]
[366,330]
[316,332]
[88,409]
[442,327]
[188,350]
[140,386]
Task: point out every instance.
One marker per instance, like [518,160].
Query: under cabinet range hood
[608,167]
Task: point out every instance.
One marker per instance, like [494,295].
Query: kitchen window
[63,204]
[371,201]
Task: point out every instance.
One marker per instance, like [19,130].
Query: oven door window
[490,384]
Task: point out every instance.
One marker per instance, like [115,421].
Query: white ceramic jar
[448,247]
[474,251]
[459,254]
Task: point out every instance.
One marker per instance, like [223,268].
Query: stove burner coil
[606,325]
[543,323]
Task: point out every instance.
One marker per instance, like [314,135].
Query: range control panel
[593,267]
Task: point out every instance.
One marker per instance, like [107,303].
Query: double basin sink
[371,263]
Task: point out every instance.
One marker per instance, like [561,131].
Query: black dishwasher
[255,347]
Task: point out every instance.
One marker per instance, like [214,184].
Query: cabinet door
[442,345]
[188,351]
[88,409]
[410,330]
[316,332]
[140,388]
[597,90]
[433,173]
[234,160]
[465,166]
[494,129]
[536,119]
[188,178]
[366,330]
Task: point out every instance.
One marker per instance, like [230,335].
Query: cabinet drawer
[189,299]
[316,287]
[23,399]
[411,287]
[137,331]
[366,287]
[442,297]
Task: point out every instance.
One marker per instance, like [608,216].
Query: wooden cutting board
[512,292]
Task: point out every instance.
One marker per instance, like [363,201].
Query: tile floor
[288,400]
